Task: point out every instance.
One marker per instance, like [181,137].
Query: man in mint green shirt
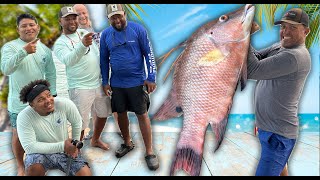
[43,132]
[76,49]
[25,59]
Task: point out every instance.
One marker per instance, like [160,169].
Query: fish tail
[219,129]
[188,160]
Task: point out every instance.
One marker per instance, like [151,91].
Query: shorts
[134,99]
[92,101]
[275,152]
[13,119]
[56,161]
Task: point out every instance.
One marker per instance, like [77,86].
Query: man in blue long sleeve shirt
[125,49]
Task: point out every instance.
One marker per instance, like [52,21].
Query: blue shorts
[56,161]
[275,152]
[13,119]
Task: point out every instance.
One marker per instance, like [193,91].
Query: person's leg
[36,170]
[116,121]
[18,152]
[285,171]
[275,152]
[124,127]
[101,109]
[83,99]
[96,138]
[38,164]
[17,149]
[84,171]
[145,128]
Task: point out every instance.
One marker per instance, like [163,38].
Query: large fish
[205,79]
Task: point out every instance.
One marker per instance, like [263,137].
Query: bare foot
[98,143]
[21,172]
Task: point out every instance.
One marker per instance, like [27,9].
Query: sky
[170,24]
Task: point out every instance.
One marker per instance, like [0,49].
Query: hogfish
[205,78]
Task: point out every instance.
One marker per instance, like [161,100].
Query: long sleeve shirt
[82,63]
[22,68]
[281,75]
[46,134]
[126,52]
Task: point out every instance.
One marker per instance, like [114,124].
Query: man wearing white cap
[281,71]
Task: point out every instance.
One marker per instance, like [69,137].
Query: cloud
[184,21]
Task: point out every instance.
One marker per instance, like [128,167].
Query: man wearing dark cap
[23,60]
[76,49]
[43,132]
[125,48]
[281,71]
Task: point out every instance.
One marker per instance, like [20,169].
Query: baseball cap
[66,11]
[295,16]
[113,9]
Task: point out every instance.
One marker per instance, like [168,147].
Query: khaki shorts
[92,101]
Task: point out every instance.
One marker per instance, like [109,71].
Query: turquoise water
[242,122]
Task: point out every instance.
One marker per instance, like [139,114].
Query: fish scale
[205,78]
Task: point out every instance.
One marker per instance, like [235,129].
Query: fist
[87,39]
[31,47]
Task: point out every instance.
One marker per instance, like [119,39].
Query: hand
[107,90]
[70,149]
[151,86]
[87,39]
[31,47]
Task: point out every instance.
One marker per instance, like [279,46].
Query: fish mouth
[247,17]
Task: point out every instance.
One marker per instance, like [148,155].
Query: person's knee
[35,170]
[84,171]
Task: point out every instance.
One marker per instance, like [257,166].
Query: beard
[120,26]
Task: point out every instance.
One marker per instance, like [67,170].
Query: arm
[147,52]
[69,55]
[28,139]
[11,59]
[104,60]
[74,118]
[280,64]
[50,71]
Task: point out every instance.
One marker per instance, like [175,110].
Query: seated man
[43,131]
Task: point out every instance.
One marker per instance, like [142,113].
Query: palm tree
[268,11]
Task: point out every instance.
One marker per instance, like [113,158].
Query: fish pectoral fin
[219,129]
[169,109]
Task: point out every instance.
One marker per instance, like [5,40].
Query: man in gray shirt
[281,71]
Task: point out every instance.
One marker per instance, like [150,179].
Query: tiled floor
[237,156]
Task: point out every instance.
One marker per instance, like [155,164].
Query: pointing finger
[89,34]
[34,41]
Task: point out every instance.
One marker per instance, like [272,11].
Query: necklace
[72,41]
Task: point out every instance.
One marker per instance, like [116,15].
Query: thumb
[34,41]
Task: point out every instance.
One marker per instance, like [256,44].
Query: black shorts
[134,99]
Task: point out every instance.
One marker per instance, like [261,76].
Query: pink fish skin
[205,79]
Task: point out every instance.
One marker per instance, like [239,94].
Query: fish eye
[223,18]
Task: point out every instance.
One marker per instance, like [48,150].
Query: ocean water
[236,122]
